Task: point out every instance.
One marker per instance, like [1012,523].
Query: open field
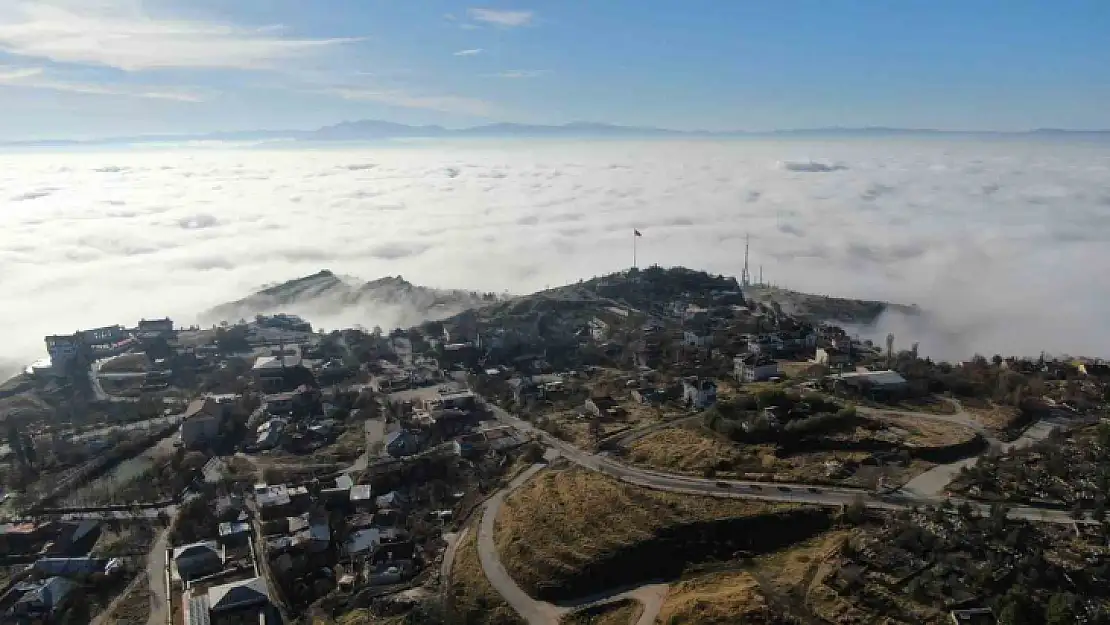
[472,600]
[694,450]
[685,450]
[912,432]
[716,598]
[571,532]
[622,612]
[774,588]
[994,417]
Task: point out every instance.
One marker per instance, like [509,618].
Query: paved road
[783,492]
[98,390]
[532,611]
[156,576]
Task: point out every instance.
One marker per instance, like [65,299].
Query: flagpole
[634,237]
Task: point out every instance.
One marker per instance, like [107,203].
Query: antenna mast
[745,277]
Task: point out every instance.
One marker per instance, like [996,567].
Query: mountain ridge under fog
[390,301]
[369,130]
[327,295]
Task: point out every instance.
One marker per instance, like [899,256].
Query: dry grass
[472,599]
[557,524]
[694,451]
[926,432]
[795,567]
[134,608]
[995,417]
[622,612]
[687,450]
[733,597]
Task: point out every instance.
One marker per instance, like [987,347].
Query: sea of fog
[1005,244]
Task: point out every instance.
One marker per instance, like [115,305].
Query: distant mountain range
[337,301]
[373,130]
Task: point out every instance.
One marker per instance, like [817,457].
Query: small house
[42,600]
[402,443]
[754,367]
[699,393]
[198,560]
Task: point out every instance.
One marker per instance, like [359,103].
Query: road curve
[747,489]
[533,611]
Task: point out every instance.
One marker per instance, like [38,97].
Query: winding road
[534,611]
[651,596]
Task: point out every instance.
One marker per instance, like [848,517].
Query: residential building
[361,496]
[698,339]
[198,560]
[234,534]
[62,349]
[699,393]
[872,383]
[243,601]
[454,400]
[393,499]
[75,568]
[42,600]
[602,406]
[273,501]
[108,335]
[201,422]
[754,367]
[402,443]
[155,328]
[832,357]
[599,330]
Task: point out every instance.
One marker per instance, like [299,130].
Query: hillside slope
[326,299]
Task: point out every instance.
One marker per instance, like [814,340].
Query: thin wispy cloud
[514,74]
[36,78]
[470,52]
[13,74]
[506,19]
[394,97]
[119,34]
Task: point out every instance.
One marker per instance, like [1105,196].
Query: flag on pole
[637,232]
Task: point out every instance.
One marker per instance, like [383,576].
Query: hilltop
[825,308]
[325,297]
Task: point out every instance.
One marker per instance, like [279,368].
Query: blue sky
[87,68]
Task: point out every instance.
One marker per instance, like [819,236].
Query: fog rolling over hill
[1003,245]
[330,301]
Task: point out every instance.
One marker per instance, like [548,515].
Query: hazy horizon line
[577,129]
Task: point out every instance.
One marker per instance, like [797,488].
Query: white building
[754,368]
[699,393]
[599,330]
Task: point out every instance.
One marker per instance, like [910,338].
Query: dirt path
[156,574]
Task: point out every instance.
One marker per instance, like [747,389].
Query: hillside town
[261,470]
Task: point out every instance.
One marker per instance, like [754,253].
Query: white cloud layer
[121,34]
[1006,245]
